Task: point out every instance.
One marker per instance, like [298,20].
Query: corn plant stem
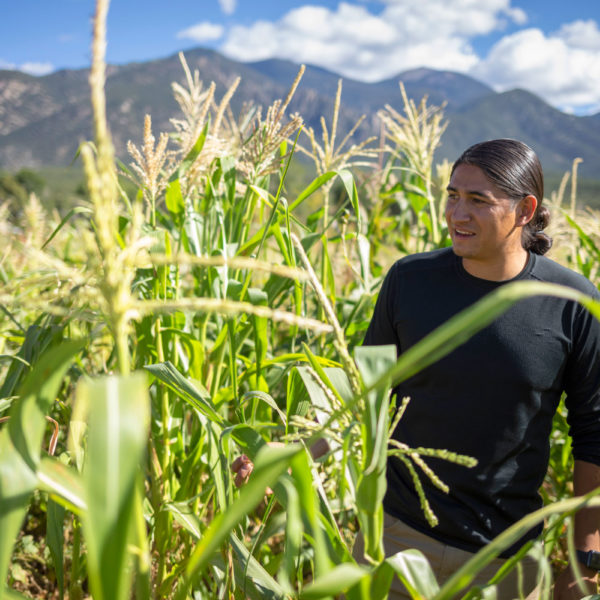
[175,357]
[102,182]
[432,209]
[122,346]
[574,201]
[162,527]
[249,215]
[164,405]
[153,211]
[75,592]
[161,550]
[324,252]
[298,289]
[232,355]
[202,329]
[204,232]
[244,220]
[217,373]
[143,557]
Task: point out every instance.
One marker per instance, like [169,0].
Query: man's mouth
[463,233]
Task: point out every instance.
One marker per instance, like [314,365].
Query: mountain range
[44,119]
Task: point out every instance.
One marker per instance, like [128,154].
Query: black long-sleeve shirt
[492,398]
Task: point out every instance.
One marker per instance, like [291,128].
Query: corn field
[147,342]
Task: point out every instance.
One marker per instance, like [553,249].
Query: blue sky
[551,47]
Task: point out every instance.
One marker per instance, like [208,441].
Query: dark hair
[514,168]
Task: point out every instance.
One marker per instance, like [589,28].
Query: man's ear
[526,210]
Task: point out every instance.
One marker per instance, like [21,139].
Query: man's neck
[502,270]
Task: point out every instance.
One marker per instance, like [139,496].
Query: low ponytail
[533,237]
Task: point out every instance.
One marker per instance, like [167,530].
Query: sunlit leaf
[118,433]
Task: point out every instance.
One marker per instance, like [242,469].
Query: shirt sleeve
[381,329]
[582,386]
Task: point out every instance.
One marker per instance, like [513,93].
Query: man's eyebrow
[470,192]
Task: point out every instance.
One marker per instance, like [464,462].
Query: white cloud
[32,68]
[228,6]
[352,41]
[423,19]
[202,32]
[37,68]
[581,34]
[563,68]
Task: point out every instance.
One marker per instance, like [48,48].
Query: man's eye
[452,197]
[478,200]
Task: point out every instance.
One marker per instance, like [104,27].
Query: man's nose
[460,211]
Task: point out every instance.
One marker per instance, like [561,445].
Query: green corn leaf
[583,236]
[194,394]
[364,257]
[314,363]
[36,340]
[246,437]
[219,459]
[350,185]
[259,327]
[372,361]
[193,154]
[312,188]
[74,211]
[63,483]
[412,569]
[55,516]
[184,515]
[309,500]
[293,532]
[267,399]
[38,393]
[465,575]
[336,581]
[375,586]
[192,232]
[298,401]
[269,465]
[418,200]
[229,175]
[119,416]
[20,443]
[6,403]
[336,380]
[253,577]
[17,483]
[174,198]
[415,572]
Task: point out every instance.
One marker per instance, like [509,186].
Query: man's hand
[566,588]
[242,466]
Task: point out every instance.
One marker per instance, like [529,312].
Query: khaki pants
[446,560]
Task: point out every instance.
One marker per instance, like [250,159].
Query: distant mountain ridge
[44,119]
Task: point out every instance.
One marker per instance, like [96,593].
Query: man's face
[481,220]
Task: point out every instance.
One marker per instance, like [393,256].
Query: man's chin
[461,251]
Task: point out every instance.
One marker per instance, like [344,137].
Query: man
[494,397]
